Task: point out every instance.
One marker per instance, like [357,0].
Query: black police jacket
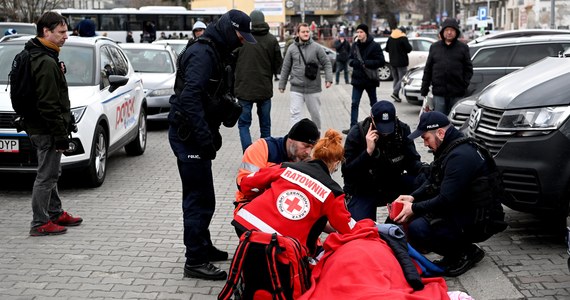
[380,172]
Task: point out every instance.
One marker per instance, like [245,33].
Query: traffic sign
[482,14]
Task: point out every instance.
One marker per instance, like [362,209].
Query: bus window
[113,22]
[73,20]
[170,22]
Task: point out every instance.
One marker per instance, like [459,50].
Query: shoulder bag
[311,69]
[371,74]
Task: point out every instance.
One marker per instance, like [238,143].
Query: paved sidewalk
[130,244]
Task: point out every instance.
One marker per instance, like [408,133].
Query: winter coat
[200,71]
[448,68]
[398,48]
[53,107]
[293,68]
[342,50]
[373,59]
[380,172]
[256,64]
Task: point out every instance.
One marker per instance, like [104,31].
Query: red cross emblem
[293,204]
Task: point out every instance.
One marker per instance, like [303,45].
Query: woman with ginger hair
[297,199]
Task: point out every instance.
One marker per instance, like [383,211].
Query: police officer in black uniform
[381,162]
[195,117]
[459,204]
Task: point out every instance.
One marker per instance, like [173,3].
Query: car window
[107,66]
[79,63]
[150,61]
[120,61]
[493,57]
[527,54]
[421,45]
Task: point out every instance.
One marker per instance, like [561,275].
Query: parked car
[518,33]
[412,85]
[156,65]
[496,58]
[107,101]
[176,45]
[418,56]
[523,118]
[20,28]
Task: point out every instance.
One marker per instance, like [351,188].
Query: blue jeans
[398,73]
[444,104]
[341,66]
[244,122]
[198,197]
[356,95]
[46,203]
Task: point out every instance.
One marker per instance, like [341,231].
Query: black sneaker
[215,254]
[396,98]
[204,271]
[345,131]
[465,261]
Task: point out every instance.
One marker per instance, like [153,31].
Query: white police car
[107,101]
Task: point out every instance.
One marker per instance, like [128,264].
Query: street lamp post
[302,11]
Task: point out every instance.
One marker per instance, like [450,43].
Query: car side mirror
[115,81]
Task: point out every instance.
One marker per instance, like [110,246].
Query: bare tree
[27,10]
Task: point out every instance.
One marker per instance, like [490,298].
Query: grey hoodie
[293,68]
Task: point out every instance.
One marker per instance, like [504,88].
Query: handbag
[311,69]
[370,73]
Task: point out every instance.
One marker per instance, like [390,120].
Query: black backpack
[22,84]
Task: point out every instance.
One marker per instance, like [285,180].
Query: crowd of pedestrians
[447,207]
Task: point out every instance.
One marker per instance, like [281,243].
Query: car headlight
[161,92]
[544,118]
[78,113]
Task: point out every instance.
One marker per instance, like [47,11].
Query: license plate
[9,146]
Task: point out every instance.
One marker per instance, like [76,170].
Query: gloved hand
[208,152]
[62,143]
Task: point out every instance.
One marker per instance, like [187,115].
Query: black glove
[62,143]
[208,152]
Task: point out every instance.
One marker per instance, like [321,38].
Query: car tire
[385,72]
[138,145]
[97,169]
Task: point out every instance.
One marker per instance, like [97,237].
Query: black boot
[466,261]
[204,271]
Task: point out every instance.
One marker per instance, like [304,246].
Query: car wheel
[385,73]
[97,168]
[138,145]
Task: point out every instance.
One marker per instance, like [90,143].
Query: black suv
[523,118]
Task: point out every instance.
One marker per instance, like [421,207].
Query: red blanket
[360,265]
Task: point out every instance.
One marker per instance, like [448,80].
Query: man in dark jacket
[195,137]
[381,163]
[373,58]
[448,68]
[342,52]
[48,124]
[459,204]
[255,67]
[398,48]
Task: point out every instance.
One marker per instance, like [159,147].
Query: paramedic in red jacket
[297,199]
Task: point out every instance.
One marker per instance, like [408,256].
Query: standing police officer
[194,133]
[381,163]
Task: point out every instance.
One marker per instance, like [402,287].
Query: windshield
[78,61]
[150,61]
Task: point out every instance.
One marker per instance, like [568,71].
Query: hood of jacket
[397,33]
[223,34]
[260,29]
[450,23]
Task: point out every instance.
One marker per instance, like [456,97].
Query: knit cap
[305,131]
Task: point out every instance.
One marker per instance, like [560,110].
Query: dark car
[523,119]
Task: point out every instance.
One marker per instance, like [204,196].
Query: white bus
[150,20]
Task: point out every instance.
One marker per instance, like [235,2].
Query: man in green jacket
[48,124]
[255,67]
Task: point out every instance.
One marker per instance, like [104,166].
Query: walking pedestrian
[398,48]
[255,67]
[448,68]
[342,52]
[49,124]
[195,137]
[303,62]
[369,52]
